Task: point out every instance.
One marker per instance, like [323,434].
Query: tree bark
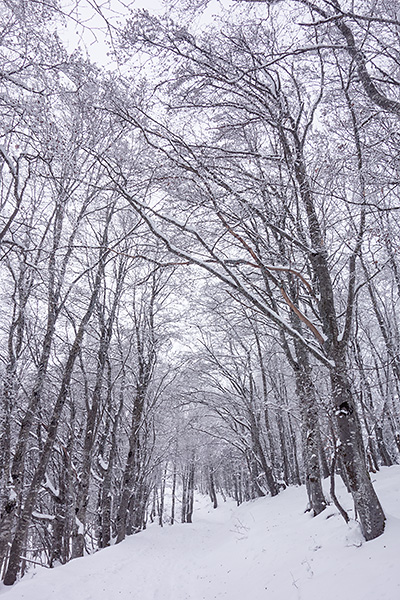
[39,473]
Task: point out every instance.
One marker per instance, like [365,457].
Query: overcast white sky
[86,28]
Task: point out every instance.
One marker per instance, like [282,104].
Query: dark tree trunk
[39,473]
[173,492]
[352,453]
[213,494]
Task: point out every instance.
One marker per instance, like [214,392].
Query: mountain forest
[199,261]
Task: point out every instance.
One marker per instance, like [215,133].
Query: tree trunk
[213,494]
[39,473]
[173,492]
[351,449]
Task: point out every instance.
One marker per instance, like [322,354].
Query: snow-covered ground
[266,549]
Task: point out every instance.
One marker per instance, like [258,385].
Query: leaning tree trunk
[39,473]
[29,504]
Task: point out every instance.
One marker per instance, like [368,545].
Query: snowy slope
[266,549]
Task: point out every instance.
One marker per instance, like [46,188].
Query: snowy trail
[264,550]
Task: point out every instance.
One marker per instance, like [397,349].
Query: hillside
[266,549]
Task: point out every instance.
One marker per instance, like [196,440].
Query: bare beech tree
[201,268]
[234,88]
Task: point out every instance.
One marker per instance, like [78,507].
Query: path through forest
[265,549]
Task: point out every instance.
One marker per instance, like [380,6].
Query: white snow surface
[265,549]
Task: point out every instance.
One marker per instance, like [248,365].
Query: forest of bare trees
[200,266]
